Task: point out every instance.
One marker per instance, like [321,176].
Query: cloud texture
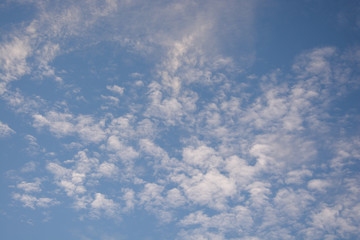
[135,108]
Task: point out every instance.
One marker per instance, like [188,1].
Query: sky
[129,119]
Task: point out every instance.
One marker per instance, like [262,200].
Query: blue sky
[179,119]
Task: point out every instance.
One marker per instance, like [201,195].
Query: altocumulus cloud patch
[179,120]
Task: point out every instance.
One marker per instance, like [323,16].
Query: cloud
[237,220]
[151,194]
[200,141]
[108,169]
[30,186]
[175,198]
[297,176]
[210,189]
[33,202]
[280,150]
[20,103]
[64,124]
[88,130]
[59,123]
[29,167]
[33,148]
[5,130]
[136,75]
[315,63]
[13,58]
[240,171]
[122,151]
[292,203]
[116,89]
[203,157]
[345,151]
[72,180]
[318,184]
[103,204]
[332,220]
[129,198]
[259,192]
[151,149]
[168,109]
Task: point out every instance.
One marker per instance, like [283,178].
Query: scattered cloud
[116,89]
[29,167]
[101,203]
[155,110]
[5,130]
[34,202]
[13,58]
[30,186]
[63,124]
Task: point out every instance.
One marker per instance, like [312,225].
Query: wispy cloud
[5,130]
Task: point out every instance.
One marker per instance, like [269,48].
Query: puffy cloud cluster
[197,142]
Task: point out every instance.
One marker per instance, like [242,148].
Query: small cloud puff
[116,89]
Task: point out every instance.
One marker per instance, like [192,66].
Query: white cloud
[122,126]
[136,75]
[332,220]
[45,55]
[108,169]
[151,195]
[345,151]
[297,176]
[318,184]
[175,198]
[72,180]
[33,148]
[57,170]
[278,150]
[240,171]
[20,103]
[63,124]
[123,152]
[82,202]
[88,130]
[103,204]
[211,189]
[32,202]
[116,89]
[292,203]
[315,63]
[203,157]
[59,123]
[152,149]
[30,186]
[237,219]
[129,198]
[259,193]
[168,109]
[5,130]
[111,99]
[2,88]
[13,58]
[245,157]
